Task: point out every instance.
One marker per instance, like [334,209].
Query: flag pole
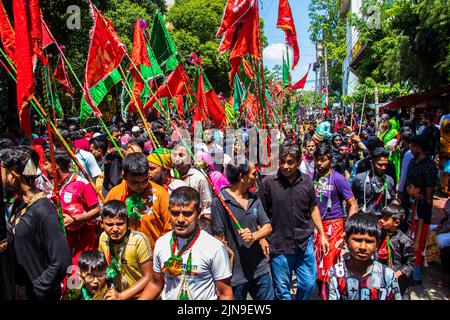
[149,130]
[56,176]
[37,106]
[81,86]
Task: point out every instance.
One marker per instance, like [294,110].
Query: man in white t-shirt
[188,263]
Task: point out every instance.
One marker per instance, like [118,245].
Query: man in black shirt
[289,199]
[431,134]
[42,253]
[422,167]
[7,275]
[365,164]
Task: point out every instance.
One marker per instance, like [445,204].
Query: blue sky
[273,53]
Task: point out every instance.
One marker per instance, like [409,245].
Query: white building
[355,52]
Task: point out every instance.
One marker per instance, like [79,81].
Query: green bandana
[134,206]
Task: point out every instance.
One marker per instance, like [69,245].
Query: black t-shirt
[249,261]
[424,210]
[7,270]
[364,165]
[288,206]
[41,249]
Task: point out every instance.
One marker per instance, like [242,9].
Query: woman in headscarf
[391,139]
[218,179]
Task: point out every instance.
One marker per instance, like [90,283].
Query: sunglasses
[90,277]
[185,214]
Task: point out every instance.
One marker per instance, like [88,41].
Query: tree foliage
[195,25]
[326,27]
[410,50]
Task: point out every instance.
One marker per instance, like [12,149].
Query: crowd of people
[140,212]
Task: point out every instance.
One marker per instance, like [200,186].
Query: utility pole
[326,78]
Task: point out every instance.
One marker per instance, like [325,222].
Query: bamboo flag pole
[37,106]
[56,175]
[82,87]
[130,92]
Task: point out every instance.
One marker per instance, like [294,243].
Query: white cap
[135,129]
[97,134]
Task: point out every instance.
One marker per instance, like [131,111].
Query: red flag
[242,38]
[234,11]
[24,64]
[286,22]
[46,37]
[247,69]
[105,54]
[60,74]
[139,55]
[215,108]
[7,34]
[37,30]
[176,84]
[301,83]
[201,113]
[208,106]
[180,106]
[252,107]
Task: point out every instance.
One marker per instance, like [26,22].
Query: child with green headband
[128,253]
[396,249]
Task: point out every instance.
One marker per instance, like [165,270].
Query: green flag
[286,75]
[238,94]
[230,114]
[97,93]
[162,44]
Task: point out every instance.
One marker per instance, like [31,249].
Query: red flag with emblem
[234,11]
[286,22]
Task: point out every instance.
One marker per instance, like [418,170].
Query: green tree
[326,27]
[195,25]
[411,46]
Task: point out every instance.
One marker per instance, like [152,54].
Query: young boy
[128,253]
[92,265]
[360,277]
[395,249]
[420,223]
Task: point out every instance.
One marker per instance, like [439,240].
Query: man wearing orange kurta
[147,202]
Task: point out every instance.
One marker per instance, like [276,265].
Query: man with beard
[7,271]
[188,263]
[40,247]
[374,189]
[160,163]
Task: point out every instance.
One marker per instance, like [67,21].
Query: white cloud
[274,52]
[169,3]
